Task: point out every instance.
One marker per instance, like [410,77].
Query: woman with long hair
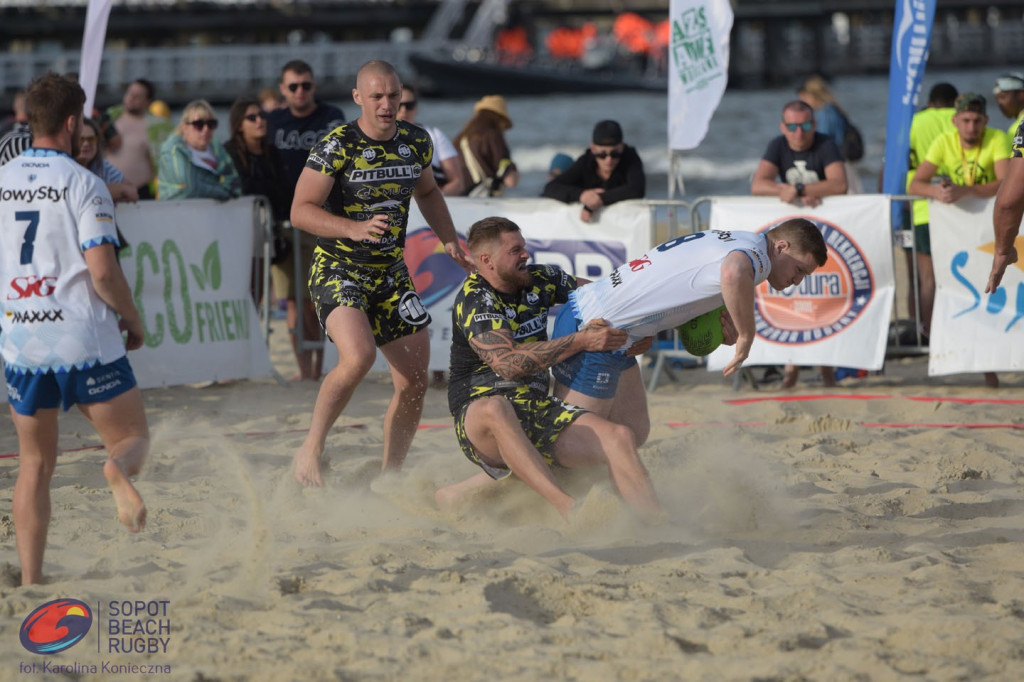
[261,170]
[485,154]
[256,160]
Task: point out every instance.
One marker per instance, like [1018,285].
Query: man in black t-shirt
[800,166]
[294,129]
[608,172]
[303,122]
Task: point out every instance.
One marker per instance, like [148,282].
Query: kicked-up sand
[869,532]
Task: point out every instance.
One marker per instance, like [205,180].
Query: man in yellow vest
[934,120]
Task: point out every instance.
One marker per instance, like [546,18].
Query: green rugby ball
[702,334]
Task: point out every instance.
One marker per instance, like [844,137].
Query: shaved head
[374,67]
[377,93]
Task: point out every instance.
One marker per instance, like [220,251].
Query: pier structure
[219,50]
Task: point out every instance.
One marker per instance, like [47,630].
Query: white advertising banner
[188,264]
[839,315]
[554,234]
[698,68]
[972,331]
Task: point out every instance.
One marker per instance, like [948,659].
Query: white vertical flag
[699,67]
[92,49]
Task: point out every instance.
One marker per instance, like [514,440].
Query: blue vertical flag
[911,36]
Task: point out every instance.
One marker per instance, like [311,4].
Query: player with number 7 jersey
[63,304]
[51,210]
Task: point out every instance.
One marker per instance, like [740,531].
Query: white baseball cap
[1008,82]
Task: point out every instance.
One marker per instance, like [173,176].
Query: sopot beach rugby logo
[826,301]
[55,626]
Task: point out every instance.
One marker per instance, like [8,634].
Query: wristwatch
[799,189]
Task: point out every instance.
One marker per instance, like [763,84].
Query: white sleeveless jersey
[51,211]
[672,283]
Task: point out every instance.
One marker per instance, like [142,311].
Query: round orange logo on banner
[825,302]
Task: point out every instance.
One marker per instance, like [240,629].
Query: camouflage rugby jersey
[479,308]
[371,177]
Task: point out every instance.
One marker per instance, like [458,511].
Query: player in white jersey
[669,285]
[63,305]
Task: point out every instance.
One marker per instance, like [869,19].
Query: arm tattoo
[518,361]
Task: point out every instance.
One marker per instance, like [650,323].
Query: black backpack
[853,144]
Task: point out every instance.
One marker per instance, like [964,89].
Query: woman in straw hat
[485,154]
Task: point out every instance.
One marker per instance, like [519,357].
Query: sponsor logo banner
[972,331]
[188,264]
[839,315]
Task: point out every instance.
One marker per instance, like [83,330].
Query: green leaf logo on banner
[211,265]
[211,269]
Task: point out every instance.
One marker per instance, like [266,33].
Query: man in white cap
[1009,92]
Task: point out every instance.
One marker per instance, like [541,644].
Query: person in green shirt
[934,120]
[969,161]
[1009,92]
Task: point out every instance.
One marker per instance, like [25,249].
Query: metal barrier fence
[669,219]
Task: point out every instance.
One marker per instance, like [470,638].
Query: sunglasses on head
[615,154]
[805,126]
[201,123]
[305,85]
[255,117]
[411,104]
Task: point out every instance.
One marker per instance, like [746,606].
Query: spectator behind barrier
[608,172]
[192,164]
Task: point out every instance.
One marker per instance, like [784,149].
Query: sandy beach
[867,534]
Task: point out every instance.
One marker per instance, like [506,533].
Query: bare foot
[131,511]
[307,467]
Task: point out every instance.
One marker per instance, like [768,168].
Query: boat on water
[629,54]
[443,74]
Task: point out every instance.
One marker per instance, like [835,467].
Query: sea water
[722,165]
[737,136]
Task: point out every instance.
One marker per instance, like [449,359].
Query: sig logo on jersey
[825,302]
[434,274]
[55,626]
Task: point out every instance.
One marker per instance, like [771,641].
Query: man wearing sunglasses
[608,172]
[800,166]
[294,129]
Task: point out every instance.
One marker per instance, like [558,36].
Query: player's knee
[412,387]
[619,438]
[36,470]
[357,361]
[493,410]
